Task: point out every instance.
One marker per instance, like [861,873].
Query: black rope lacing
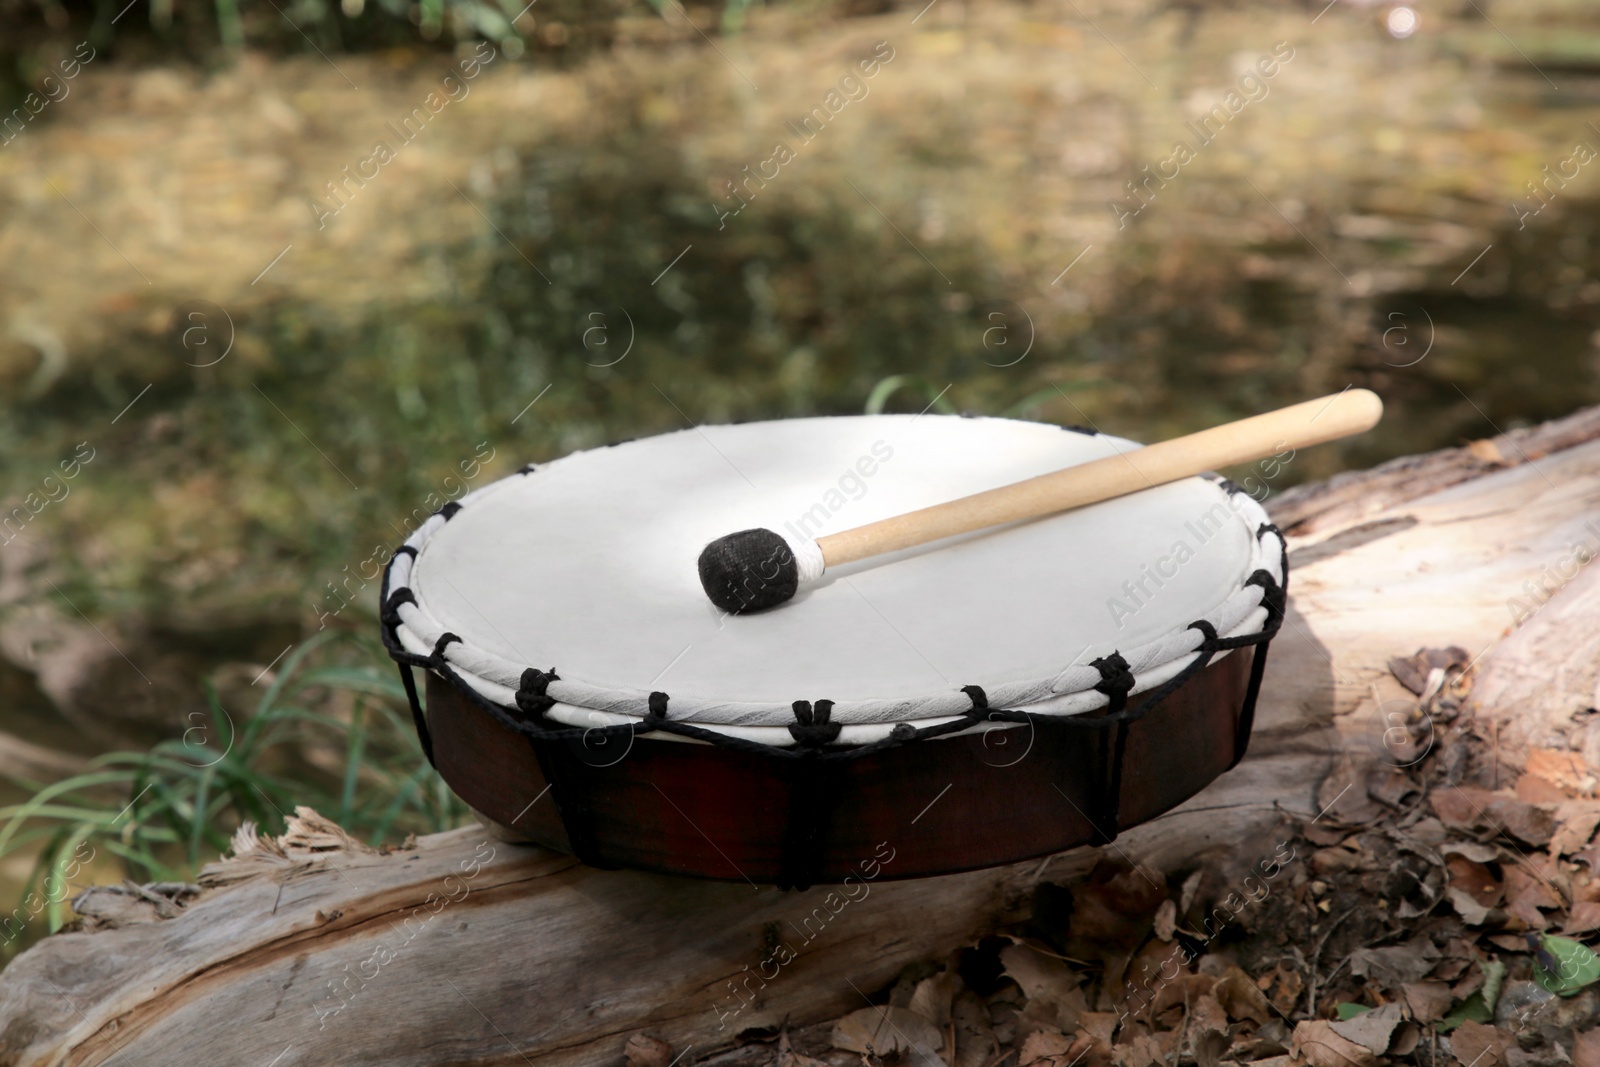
[1119,711]
[818,729]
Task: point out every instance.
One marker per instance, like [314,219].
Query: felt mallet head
[749,571]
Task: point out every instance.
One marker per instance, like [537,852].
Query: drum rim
[413,633]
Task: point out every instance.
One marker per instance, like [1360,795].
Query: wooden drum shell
[936,806]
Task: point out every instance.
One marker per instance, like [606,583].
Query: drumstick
[756,569]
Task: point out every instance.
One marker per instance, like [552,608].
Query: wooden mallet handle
[1298,426]
[728,566]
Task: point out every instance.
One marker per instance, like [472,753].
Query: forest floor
[1436,920]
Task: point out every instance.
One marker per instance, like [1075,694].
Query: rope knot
[658,708]
[1116,679]
[980,699]
[391,607]
[436,659]
[531,698]
[1273,596]
[812,728]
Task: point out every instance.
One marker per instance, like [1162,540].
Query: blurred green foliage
[40,32]
[320,442]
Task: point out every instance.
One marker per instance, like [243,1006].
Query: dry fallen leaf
[1414,671]
[1460,807]
[1472,913]
[1048,1045]
[1584,917]
[1475,879]
[1458,956]
[1283,988]
[1206,1030]
[1166,920]
[642,1050]
[1112,910]
[1351,807]
[1099,1025]
[885,1030]
[1318,1044]
[1205,1013]
[932,997]
[1537,790]
[1326,861]
[1240,998]
[1528,823]
[1190,888]
[1586,1049]
[1395,965]
[1317,834]
[1183,989]
[1405,1039]
[1143,1051]
[1371,1029]
[1391,785]
[1526,895]
[1470,809]
[1087,1051]
[1475,851]
[1478,1045]
[1411,672]
[1208,1047]
[975,1041]
[1269,1040]
[1048,983]
[1567,770]
[1575,824]
[1427,1001]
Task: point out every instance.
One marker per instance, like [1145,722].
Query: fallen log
[463,949]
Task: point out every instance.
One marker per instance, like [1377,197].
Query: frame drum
[991,698]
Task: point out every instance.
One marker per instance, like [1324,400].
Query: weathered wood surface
[331,953]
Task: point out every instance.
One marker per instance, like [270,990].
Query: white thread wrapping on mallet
[807,558]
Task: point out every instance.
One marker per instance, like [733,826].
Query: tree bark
[467,950]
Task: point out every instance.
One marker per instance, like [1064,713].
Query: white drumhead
[587,565]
